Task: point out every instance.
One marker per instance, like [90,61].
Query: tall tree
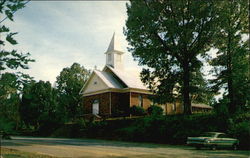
[231,66]
[69,83]
[11,86]
[11,83]
[39,105]
[9,98]
[167,37]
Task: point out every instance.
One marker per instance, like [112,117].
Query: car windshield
[208,134]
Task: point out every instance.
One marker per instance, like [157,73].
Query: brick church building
[114,90]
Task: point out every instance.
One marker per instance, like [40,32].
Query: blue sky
[59,33]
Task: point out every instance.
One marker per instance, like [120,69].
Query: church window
[95,107]
[140,101]
[174,107]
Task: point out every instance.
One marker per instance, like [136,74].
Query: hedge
[166,129]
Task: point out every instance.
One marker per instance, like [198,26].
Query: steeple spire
[114,45]
[114,54]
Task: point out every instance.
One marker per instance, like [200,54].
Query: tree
[231,66]
[10,89]
[11,83]
[168,37]
[11,59]
[200,89]
[9,102]
[69,83]
[39,106]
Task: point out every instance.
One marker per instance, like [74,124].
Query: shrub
[171,129]
[241,131]
[137,111]
[6,128]
[155,110]
[240,128]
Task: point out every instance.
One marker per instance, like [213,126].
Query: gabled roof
[131,81]
[108,79]
[115,79]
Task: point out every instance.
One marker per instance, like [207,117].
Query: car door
[224,140]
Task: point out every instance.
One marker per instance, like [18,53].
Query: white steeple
[114,54]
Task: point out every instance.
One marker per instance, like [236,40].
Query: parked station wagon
[213,140]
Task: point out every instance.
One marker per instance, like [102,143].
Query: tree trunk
[186,98]
[232,106]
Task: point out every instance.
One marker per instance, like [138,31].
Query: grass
[12,153]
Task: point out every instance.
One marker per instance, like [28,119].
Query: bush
[137,111]
[170,129]
[155,110]
[240,128]
[6,128]
[242,132]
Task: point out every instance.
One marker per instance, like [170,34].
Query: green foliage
[137,111]
[240,128]
[161,129]
[155,110]
[221,107]
[231,64]
[200,90]
[10,87]
[11,84]
[172,129]
[11,59]
[168,37]
[6,127]
[39,106]
[69,83]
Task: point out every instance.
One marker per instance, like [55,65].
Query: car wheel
[213,147]
[235,147]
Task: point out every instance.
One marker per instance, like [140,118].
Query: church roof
[130,79]
[108,79]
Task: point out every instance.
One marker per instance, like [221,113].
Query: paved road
[62,147]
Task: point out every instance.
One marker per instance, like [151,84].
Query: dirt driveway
[62,147]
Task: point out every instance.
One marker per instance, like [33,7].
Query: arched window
[140,101]
[174,106]
[95,107]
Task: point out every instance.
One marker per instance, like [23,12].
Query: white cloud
[60,33]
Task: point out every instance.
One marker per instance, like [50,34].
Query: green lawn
[12,153]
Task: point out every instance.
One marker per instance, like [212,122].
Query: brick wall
[174,108]
[120,102]
[135,100]
[104,104]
